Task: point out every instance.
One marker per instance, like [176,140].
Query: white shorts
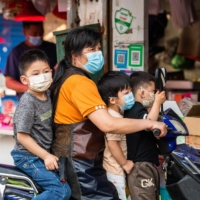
[120,184]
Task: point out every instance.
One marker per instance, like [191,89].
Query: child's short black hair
[139,79]
[29,57]
[111,83]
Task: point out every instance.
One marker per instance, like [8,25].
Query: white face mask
[41,82]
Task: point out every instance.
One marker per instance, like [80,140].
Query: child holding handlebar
[143,181]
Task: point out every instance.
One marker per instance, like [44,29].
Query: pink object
[6,121]
[187,95]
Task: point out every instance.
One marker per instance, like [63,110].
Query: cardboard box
[193,141]
[192,120]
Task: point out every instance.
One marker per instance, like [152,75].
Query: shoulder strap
[69,72]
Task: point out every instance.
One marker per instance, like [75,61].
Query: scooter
[181,165]
[182,162]
[16,185]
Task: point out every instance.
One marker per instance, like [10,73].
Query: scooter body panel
[182,162]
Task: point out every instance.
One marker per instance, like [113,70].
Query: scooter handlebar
[156,132]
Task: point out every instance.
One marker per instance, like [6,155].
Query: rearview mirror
[160,78]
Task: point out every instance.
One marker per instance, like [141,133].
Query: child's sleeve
[141,114]
[115,137]
[24,117]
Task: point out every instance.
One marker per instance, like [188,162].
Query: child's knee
[67,191]
[64,191]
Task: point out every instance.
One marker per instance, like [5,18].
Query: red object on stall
[29,13]
[2,40]
[62,15]
[12,8]
[178,97]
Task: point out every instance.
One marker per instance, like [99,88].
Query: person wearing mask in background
[81,118]
[33,32]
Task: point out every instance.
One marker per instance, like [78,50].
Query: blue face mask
[129,101]
[95,62]
[35,40]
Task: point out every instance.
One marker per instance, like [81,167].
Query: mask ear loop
[115,103]
[142,90]
[150,93]
[112,98]
[79,63]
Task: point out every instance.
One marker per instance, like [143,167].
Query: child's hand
[2,93]
[51,162]
[160,97]
[128,166]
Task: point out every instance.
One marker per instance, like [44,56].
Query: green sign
[136,54]
[123,20]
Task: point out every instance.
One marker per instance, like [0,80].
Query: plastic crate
[164,194]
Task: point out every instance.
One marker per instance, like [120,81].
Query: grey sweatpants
[143,182]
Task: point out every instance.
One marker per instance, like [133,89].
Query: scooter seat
[9,169]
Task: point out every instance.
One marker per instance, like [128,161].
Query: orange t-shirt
[78,97]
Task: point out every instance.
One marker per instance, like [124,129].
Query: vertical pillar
[72,13]
[146,35]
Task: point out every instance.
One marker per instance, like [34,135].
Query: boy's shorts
[143,181]
[120,184]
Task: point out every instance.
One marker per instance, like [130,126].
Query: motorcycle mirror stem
[160,82]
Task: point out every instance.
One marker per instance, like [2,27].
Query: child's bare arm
[154,111]
[117,153]
[49,159]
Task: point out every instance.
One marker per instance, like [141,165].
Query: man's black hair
[111,83]
[27,24]
[29,57]
[140,79]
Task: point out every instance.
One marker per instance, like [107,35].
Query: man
[33,32]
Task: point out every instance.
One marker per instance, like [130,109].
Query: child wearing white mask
[143,181]
[115,89]
[33,127]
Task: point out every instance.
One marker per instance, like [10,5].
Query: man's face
[34,30]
